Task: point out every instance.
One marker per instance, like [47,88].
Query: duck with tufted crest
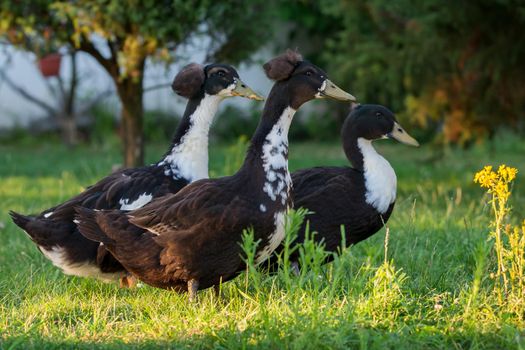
[54,230]
[191,240]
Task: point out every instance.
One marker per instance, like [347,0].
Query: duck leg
[193,287]
[294,266]
[128,281]
[217,288]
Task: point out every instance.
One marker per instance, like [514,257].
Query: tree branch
[27,95]
[70,99]
[109,64]
[113,52]
[61,88]
[156,87]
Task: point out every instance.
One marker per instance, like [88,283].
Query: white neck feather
[278,182]
[189,158]
[274,156]
[380,178]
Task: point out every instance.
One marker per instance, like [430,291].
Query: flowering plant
[510,274]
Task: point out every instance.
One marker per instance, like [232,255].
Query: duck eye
[220,73]
[379,114]
[308,73]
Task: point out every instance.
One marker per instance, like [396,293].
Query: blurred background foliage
[454,67]
[452,70]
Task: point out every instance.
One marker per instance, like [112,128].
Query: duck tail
[20,220]
[86,220]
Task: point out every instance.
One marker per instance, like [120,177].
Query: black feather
[19,219]
[88,226]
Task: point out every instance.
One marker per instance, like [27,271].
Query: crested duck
[54,230]
[360,198]
[191,240]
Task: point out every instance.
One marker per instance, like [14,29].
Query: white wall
[15,110]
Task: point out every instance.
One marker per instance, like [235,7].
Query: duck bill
[243,90]
[329,89]
[399,134]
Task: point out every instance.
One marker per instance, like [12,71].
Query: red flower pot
[50,65]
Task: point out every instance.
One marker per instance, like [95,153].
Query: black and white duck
[360,198]
[54,230]
[191,240]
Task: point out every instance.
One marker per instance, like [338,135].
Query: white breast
[189,158]
[278,182]
[274,239]
[275,162]
[380,178]
[58,256]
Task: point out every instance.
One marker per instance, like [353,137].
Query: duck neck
[187,157]
[268,151]
[378,175]
[353,151]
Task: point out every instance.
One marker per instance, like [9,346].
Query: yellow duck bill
[241,89]
[399,134]
[329,89]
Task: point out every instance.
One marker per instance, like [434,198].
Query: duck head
[214,79]
[373,122]
[307,80]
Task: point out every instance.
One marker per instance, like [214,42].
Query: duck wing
[127,189]
[204,211]
[309,181]
[167,239]
[122,189]
[334,197]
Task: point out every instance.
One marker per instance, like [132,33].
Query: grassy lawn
[438,249]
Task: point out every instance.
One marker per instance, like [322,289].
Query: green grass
[438,246]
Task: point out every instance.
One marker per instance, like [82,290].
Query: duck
[359,198]
[56,234]
[191,240]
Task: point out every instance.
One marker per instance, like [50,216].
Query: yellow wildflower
[486,177]
[496,183]
[507,173]
[501,190]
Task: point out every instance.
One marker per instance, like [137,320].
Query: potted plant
[49,65]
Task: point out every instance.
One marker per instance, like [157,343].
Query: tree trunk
[68,126]
[67,120]
[130,93]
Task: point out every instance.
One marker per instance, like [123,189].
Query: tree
[121,36]
[458,64]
